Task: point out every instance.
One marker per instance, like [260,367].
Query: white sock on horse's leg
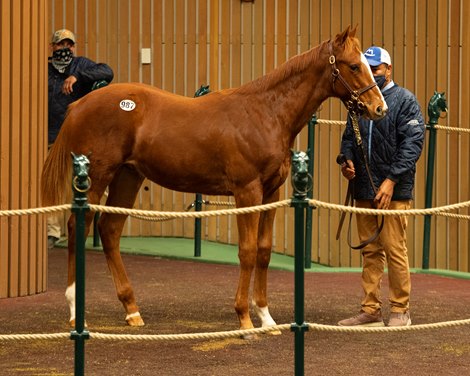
[70,297]
[264,315]
[134,319]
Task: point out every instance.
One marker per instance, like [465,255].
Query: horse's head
[356,87]
[436,105]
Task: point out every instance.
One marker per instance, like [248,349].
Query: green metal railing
[436,105]
[203,90]
[81,184]
[301,181]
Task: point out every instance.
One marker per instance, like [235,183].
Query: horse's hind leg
[71,224]
[122,193]
[70,291]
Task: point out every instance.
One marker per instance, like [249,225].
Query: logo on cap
[376,56]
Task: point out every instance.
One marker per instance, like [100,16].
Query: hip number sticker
[127,105]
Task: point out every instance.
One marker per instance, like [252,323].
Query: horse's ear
[348,32]
[352,30]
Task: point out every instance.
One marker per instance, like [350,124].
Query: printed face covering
[61,59]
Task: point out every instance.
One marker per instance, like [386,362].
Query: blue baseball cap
[376,56]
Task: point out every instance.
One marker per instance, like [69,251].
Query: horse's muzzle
[381,111]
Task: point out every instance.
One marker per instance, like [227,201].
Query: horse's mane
[295,64]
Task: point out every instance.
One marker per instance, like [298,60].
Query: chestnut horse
[230,142]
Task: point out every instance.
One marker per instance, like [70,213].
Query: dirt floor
[190,297]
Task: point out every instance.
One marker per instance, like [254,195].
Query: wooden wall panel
[226,43]
[23,143]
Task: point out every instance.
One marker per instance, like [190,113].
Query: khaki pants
[53,225]
[389,246]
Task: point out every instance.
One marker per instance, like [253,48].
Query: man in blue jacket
[391,147]
[70,78]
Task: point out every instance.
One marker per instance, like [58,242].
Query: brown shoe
[399,319]
[364,319]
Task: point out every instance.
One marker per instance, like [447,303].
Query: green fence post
[81,184]
[203,90]
[436,104]
[308,221]
[197,226]
[96,233]
[300,182]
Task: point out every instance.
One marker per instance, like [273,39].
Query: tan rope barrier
[205,202]
[457,216]
[352,209]
[164,215]
[190,336]
[369,329]
[219,203]
[45,210]
[22,337]
[440,127]
[237,333]
[210,213]
[452,129]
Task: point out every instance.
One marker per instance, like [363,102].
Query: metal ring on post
[308,186]
[75,180]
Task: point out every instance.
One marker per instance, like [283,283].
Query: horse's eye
[354,67]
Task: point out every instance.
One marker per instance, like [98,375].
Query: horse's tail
[56,174]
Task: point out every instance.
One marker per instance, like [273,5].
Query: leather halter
[354,105]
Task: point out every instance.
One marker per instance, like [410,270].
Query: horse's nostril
[379,111]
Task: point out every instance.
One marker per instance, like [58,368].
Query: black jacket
[392,145]
[87,72]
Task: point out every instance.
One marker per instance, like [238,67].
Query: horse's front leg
[247,230]
[260,299]
[248,238]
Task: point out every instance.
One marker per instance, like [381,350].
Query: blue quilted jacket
[392,145]
[87,72]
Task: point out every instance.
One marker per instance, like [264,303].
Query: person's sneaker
[51,240]
[364,319]
[399,319]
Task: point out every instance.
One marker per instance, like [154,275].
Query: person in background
[70,78]
[391,147]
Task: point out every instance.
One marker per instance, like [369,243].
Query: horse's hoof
[249,337]
[134,319]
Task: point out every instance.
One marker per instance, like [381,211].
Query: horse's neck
[295,89]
